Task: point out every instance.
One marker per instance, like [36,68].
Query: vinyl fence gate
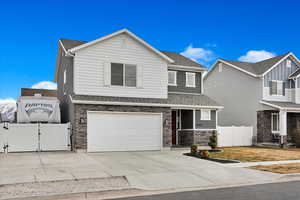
[229,136]
[34,137]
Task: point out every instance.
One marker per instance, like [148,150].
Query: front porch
[193,126]
[280,125]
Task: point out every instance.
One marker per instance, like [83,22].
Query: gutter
[141,104]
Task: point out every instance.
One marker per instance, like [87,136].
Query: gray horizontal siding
[181,84]
[206,124]
[281,73]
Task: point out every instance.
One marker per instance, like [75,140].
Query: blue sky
[204,30]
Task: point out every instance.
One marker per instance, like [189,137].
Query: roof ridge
[72,40]
[282,55]
[236,61]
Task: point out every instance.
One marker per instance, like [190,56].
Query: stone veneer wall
[198,137]
[293,126]
[264,133]
[80,129]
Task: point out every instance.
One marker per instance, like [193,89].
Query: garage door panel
[110,131]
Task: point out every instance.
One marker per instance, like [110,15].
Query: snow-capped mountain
[8,107]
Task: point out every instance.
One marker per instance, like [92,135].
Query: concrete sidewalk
[157,170]
[249,164]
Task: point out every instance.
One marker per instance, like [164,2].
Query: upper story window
[288,63]
[220,67]
[172,78]
[205,114]
[277,88]
[123,74]
[190,79]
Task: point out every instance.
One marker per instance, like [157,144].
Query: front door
[173,127]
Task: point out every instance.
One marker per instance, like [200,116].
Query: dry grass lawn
[256,154]
[279,168]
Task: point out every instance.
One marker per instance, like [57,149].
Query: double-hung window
[277,88]
[205,114]
[123,74]
[275,122]
[172,78]
[190,79]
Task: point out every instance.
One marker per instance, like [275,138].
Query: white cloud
[8,107]
[45,85]
[198,54]
[256,56]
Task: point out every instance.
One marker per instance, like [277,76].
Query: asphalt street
[274,191]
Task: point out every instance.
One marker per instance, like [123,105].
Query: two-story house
[265,95]
[121,94]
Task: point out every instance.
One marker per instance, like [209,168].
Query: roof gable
[257,69]
[87,44]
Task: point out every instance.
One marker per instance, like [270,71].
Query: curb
[133,192]
[63,187]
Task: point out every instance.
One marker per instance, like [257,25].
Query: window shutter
[139,76]
[270,86]
[283,88]
[107,74]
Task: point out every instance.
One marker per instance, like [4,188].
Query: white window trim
[272,114]
[175,78]
[186,80]
[65,76]
[277,81]
[64,81]
[124,68]
[209,115]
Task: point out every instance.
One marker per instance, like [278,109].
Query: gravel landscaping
[62,187]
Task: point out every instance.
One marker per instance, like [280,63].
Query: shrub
[213,140]
[204,154]
[194,149]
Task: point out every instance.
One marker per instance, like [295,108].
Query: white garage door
[115,131]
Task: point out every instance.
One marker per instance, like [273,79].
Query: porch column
[283,122]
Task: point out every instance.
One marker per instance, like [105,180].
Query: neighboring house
[265,95]
[38,92]
[121,94]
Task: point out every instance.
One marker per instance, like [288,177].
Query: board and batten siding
[281,73]
[89,70]
[181,83]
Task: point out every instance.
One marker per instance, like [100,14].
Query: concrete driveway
[144,170]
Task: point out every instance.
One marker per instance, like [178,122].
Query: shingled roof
[257,68]
[178,58]
[182,60]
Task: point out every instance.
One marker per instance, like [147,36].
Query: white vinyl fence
[235,136]
[34,137]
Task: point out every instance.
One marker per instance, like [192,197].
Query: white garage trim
[152,146]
